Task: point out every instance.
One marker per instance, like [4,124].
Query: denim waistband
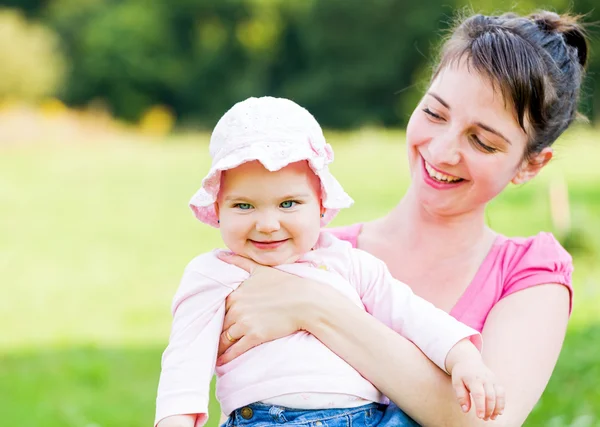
[259,413]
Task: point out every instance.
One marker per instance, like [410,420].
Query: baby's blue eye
[244,206]
[288,204]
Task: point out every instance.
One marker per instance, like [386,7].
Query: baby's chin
[273,259]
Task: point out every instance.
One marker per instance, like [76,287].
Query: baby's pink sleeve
[392,302]
[188,363]
[537,261]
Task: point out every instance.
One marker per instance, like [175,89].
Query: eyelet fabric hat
[275,132]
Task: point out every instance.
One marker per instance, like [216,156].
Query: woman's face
[464,143]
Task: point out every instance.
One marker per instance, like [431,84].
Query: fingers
[229,336]
[230,301]
[462,394]
[477,391]
[235,350]
[237,260]
[490,399]
[223,346]
[230,316]
[500,401]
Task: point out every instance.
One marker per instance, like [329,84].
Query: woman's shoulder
[534,260]
[514,264]
[542,248]
[348,233]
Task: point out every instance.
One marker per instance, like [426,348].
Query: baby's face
[272,218]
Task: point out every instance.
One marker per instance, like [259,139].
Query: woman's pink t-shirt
[512,264]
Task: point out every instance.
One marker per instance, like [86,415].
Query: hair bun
[569,27]
[576,37]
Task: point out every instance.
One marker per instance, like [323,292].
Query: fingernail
[464,408]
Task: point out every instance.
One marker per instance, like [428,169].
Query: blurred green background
[105,108]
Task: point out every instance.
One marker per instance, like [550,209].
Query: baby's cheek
[234,241]
[309,235]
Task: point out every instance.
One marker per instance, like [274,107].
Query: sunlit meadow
[94,238]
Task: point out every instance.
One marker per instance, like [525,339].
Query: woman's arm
[522,339]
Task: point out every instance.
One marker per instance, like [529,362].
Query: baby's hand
[472,376]
[178,421]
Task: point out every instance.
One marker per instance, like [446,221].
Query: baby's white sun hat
[275,132]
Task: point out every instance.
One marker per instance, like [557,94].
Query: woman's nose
[444,149]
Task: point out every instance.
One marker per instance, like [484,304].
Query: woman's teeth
[438,176]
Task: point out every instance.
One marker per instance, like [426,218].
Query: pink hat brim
[334,198]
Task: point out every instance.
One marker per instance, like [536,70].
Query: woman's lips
[438,185]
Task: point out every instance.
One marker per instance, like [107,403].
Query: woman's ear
[532,166]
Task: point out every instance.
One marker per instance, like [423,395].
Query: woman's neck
[411,223]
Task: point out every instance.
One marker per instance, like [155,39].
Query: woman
[504,90]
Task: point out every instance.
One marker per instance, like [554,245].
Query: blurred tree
[231,46]
[355,57]
[123,52]
[33,65]
[351,62]
[30,7]
[196,57]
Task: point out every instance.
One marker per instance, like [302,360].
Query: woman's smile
[437,179]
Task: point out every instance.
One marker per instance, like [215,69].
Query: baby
[269,191]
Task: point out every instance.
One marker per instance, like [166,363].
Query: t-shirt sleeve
[538,261]
[188,363]
[393,303]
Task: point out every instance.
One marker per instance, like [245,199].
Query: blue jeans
[371,415]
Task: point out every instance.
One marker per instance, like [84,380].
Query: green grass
[94,238]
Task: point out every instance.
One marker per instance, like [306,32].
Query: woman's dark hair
[536,61]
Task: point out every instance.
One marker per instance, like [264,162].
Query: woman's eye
[483,146]
[431,114]
[288,204]
[243,206]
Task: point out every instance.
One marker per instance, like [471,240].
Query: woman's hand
[270,304]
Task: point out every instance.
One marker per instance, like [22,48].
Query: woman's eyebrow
[492,130]
[481,125]
[440,100]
